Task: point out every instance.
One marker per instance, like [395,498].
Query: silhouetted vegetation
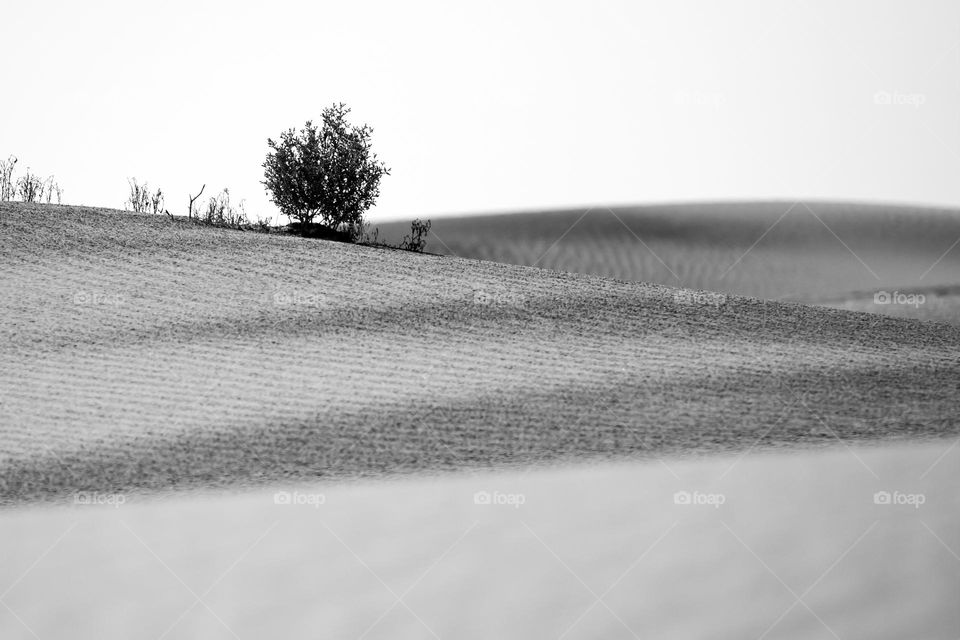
[29,187]
[194,199]
[330,173]
[219,211]
[415,240]
[7,188]
[141,200]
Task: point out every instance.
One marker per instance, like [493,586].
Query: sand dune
[185,375]
[937,304]
[142,353]
[795,547]
[817,252]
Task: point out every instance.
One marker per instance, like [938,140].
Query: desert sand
[830,253]
[150,354]
[185,375]
[784,545]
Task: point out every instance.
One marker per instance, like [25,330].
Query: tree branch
[193,199]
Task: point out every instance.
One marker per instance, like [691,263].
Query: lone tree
[331,173]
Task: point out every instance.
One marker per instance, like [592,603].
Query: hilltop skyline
[500,107]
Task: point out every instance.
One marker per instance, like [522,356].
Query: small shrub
[53,189]
[141,200]
[30,187]
[156,202]
[220,212]
[415,240]
[7,185]
[331,173]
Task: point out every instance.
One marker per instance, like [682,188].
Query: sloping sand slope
[141,353]
[794,548]
[810,251]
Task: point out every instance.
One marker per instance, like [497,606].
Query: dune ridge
[832,253]
[141,353]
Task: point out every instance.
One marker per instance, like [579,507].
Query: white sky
[488,106]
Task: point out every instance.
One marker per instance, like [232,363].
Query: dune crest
[144,353]
[830,253]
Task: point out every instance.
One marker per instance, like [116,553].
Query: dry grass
[809,252]
[143,353]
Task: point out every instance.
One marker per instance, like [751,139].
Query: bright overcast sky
[486,106]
